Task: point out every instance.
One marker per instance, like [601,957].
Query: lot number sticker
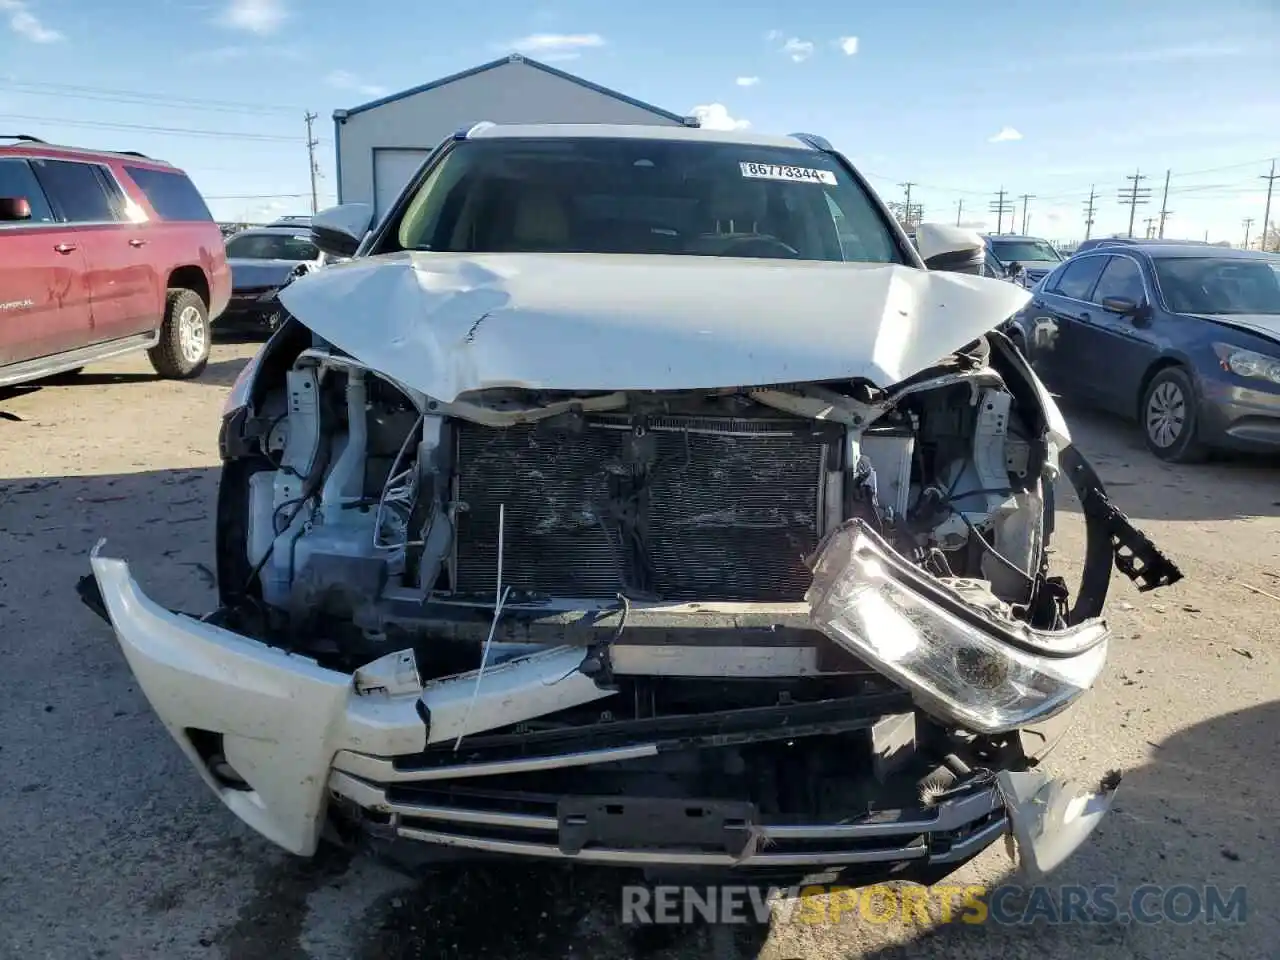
[773,171]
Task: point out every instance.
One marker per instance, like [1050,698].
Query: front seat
[539,222]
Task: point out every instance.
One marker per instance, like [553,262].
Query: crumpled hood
[1266,324]
[251,274]
[447,324]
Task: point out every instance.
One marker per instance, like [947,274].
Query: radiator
[690,508]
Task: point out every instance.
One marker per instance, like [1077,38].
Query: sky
[961,100]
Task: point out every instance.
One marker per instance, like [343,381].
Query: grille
[691,508]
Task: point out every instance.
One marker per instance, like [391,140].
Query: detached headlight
[1246,363]
[962,663]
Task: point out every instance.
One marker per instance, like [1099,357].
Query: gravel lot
[113,849]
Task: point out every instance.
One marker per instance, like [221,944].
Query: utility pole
[907,187]
[959,211]
[1248,222]
[312,143]
[1088,213]
[1000,206]
[1266,216]
[1134,195]
[1151,227]
[1024,198]
[1164,203]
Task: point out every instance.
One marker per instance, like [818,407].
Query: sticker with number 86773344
[778,171]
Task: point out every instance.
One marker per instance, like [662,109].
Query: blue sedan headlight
[1247,363]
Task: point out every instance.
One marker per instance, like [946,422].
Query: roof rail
[132,153]
[20,136]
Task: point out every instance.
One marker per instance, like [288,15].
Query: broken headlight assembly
[972,666]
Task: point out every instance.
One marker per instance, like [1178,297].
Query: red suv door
[123,286]
[44,294]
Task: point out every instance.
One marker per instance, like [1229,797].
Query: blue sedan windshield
[1219,285]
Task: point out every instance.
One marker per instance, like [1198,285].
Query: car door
[79,195]
[1056,312]
[44,293]
[1116,348]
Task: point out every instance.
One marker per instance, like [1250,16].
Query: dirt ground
[110,847]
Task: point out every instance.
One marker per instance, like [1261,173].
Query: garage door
[391,171]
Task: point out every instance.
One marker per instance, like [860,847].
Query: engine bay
[366,509]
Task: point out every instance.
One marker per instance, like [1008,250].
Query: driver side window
[1122,277]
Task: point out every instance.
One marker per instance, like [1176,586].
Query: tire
[183,349]
[1169,417]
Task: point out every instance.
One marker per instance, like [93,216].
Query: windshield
[1219,285]
[271,246]
[639,196]
[1024,251]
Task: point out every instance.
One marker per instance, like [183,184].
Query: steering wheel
[760,247]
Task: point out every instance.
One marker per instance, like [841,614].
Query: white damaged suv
[638,496]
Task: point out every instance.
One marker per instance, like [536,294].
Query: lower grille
[689,508]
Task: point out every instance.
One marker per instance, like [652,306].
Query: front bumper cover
[301,737]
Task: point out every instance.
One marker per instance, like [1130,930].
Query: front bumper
[304,741]
[1236,417]
[251,308]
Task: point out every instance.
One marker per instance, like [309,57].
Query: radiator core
[681,509]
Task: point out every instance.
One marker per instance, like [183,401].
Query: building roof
[629,131]
[503,61]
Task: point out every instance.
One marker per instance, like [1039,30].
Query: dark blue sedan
[1184,339]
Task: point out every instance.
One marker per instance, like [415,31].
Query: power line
[150,128]
[73,92]
[1134,195]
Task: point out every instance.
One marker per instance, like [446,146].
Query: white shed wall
[510,93]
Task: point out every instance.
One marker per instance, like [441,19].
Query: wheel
[183,349]
[1169,418]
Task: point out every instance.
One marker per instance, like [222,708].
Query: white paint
[283,717]
[447,324]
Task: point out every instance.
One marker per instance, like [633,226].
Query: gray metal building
[381,144]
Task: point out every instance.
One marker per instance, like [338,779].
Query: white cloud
[773,35]
[1005,135]
[849,45]
[27,25]
[256,16]
[797,49]
[556,46]
[715,116]
[345,80]
[747,81]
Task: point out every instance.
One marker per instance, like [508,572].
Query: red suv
[103,254]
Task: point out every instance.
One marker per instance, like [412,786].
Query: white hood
[447,324]
[1266,324]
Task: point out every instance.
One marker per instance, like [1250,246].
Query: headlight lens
[955,669]
[1246,363]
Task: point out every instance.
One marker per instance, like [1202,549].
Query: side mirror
[1121,305]
[14,209]
[338,230]
[955,249]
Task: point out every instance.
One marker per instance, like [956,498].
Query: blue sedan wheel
[1168,417]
